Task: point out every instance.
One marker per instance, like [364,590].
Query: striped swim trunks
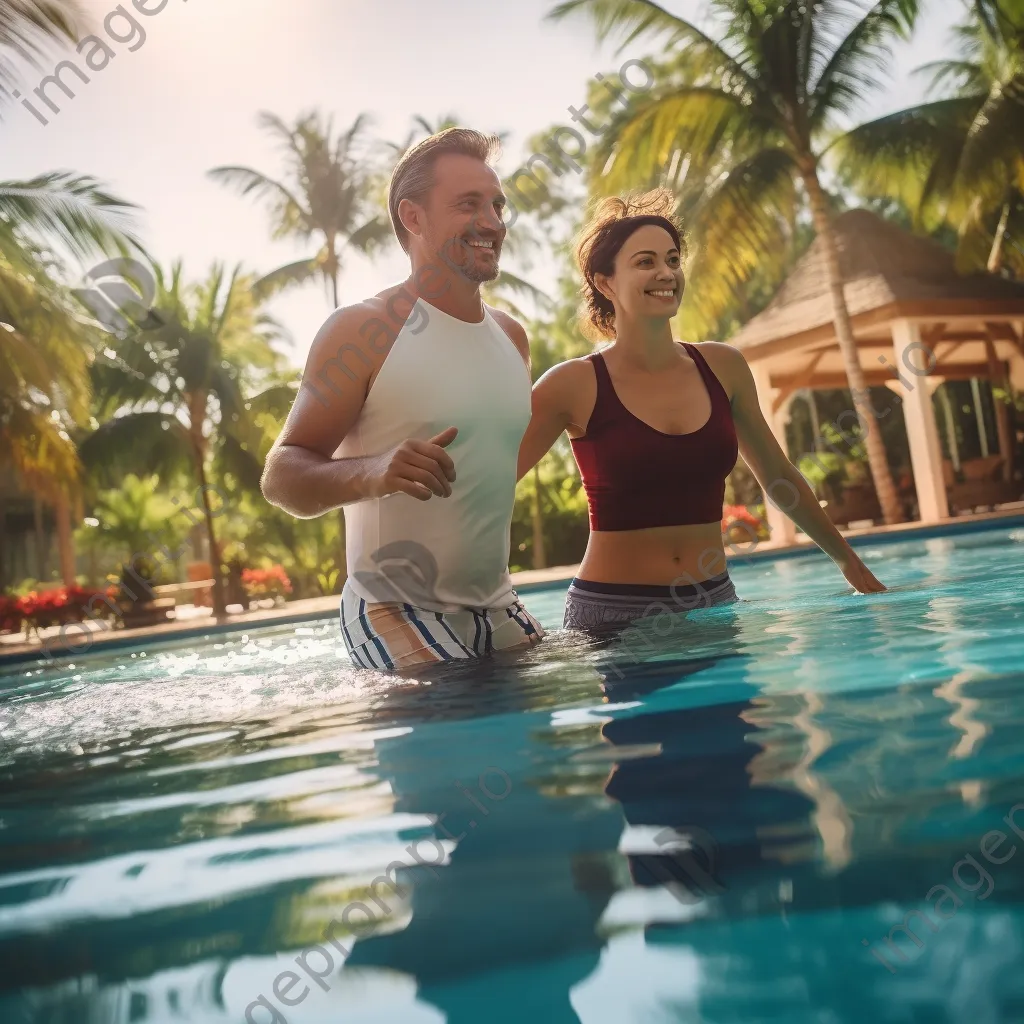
[393,636]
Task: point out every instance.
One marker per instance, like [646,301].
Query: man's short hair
[413,176]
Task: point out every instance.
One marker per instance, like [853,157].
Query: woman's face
[648,275]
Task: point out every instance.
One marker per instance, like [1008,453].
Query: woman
[655,427]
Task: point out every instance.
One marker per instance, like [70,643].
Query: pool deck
[13,648]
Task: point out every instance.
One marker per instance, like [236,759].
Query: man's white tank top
[443,554]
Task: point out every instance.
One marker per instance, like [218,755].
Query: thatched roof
[888,273]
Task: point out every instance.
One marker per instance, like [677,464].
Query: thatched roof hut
[913,315]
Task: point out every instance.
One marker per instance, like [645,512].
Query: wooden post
[780,526]
[997,380]
[919,416]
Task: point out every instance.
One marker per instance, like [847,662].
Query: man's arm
[301,476]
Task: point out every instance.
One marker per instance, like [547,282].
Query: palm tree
[130,517]
[169,395]
[959,158]
[741,122]
[46,350]
[329,193]
[325,195]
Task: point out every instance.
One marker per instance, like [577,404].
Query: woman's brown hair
[611,223]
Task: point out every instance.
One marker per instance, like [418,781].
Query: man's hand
[417,468]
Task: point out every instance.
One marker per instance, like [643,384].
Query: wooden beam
[803,380]
[1012,335]
[873,377]
[780,399]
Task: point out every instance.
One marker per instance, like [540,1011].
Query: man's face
[462,222]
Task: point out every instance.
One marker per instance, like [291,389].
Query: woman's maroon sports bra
[637,477]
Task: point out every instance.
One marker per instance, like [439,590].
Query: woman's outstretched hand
[859,576]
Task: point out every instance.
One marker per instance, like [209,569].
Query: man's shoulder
[374,321]
[513,328]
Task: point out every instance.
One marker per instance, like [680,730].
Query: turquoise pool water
[721,824]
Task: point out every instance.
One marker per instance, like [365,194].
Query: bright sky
[153,121]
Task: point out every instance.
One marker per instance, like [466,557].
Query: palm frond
[288,276]
[996,138]
[39,448]
[371,236]
[241,459]
[634,19]
[912,156]
[72,209]
[859,59]
[689,124]
[276,400]
[155,440]
[746,215]
[27,26]
[246,182]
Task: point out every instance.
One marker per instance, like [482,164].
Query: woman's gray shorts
[601,605]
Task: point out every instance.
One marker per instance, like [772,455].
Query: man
[418,441]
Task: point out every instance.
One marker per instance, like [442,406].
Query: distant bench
[201,590]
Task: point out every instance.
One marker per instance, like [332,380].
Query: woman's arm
[778,476]
[555,396]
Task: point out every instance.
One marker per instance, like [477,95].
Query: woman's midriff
[658,556]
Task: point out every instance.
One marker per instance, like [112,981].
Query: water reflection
[828,761]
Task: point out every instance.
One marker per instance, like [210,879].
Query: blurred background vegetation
[151,434]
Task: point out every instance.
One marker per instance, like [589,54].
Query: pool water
[808,807]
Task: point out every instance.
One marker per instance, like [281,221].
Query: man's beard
[459,247]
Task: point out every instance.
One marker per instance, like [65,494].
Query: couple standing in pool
[415,416]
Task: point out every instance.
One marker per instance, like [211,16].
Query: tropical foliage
[170,396]
[959,158]
[324,196]
[749,123]
[738,126]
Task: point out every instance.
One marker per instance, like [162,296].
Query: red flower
[266,582]
[738,514]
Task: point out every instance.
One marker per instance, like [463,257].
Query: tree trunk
[66,542]
[995,257]
[197,417]
[879,465]
[37,522]
[211,536]
[332,268]
[539,557]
